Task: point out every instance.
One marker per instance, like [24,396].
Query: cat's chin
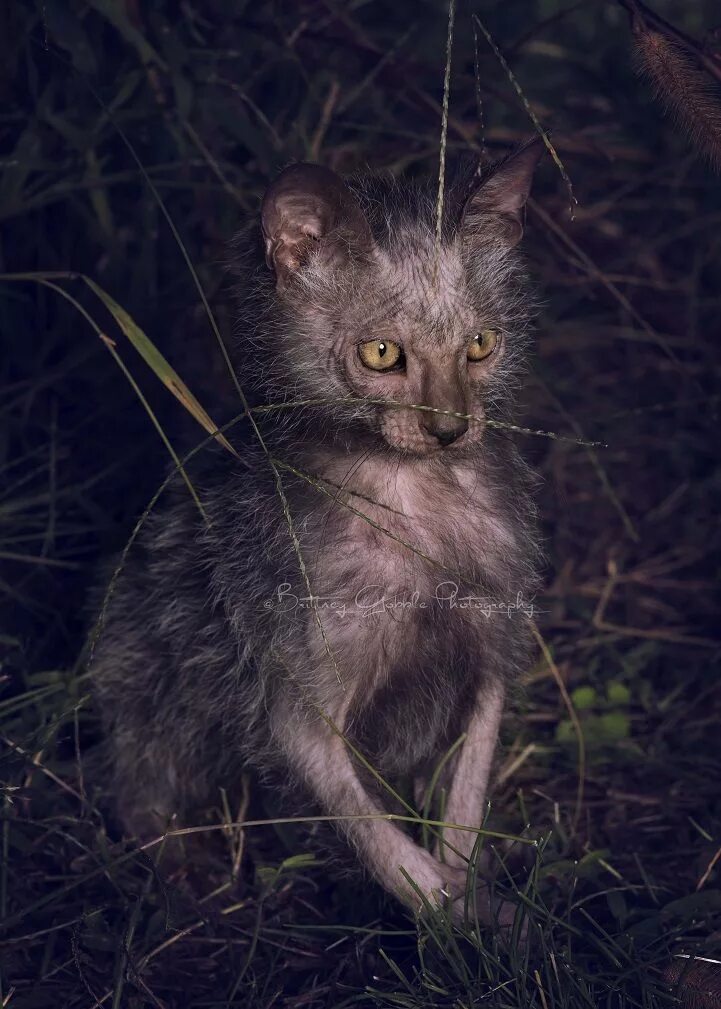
[433,453]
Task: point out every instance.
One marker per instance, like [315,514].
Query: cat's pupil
[382,349]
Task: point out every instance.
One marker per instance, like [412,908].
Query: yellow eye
[482,344]
[380,355]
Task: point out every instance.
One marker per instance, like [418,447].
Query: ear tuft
[310,206]
[501,194]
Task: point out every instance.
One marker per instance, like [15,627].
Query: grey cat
[414,528]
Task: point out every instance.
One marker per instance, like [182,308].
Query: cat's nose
[448,437]
[446,430]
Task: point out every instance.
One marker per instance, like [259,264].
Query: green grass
[119,123]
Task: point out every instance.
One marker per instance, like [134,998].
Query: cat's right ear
[310,210]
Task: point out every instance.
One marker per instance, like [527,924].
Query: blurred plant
[684,75]
[604,718]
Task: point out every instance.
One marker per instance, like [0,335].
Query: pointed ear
[500,195]
[308,208]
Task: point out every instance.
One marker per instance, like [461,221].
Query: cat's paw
[469,899]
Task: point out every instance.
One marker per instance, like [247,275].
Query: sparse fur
[206,666]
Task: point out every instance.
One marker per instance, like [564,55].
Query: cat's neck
[393,478]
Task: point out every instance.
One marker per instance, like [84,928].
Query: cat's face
[412,331]
[414,339]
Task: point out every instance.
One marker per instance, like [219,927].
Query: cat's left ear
[497,204]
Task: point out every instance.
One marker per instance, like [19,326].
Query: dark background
[110,109]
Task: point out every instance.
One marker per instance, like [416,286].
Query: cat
[349,607]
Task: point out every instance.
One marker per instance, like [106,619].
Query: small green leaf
[618,693]
[614,725]
[269,875]
[563,868]
[266,874]
[584,698]
[590,865]
[302,861]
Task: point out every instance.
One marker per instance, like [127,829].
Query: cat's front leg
[465,807]
[319,755]
[469,784]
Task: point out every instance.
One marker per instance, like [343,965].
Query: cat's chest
[403,532]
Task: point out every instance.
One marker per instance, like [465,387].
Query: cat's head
[371,304]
